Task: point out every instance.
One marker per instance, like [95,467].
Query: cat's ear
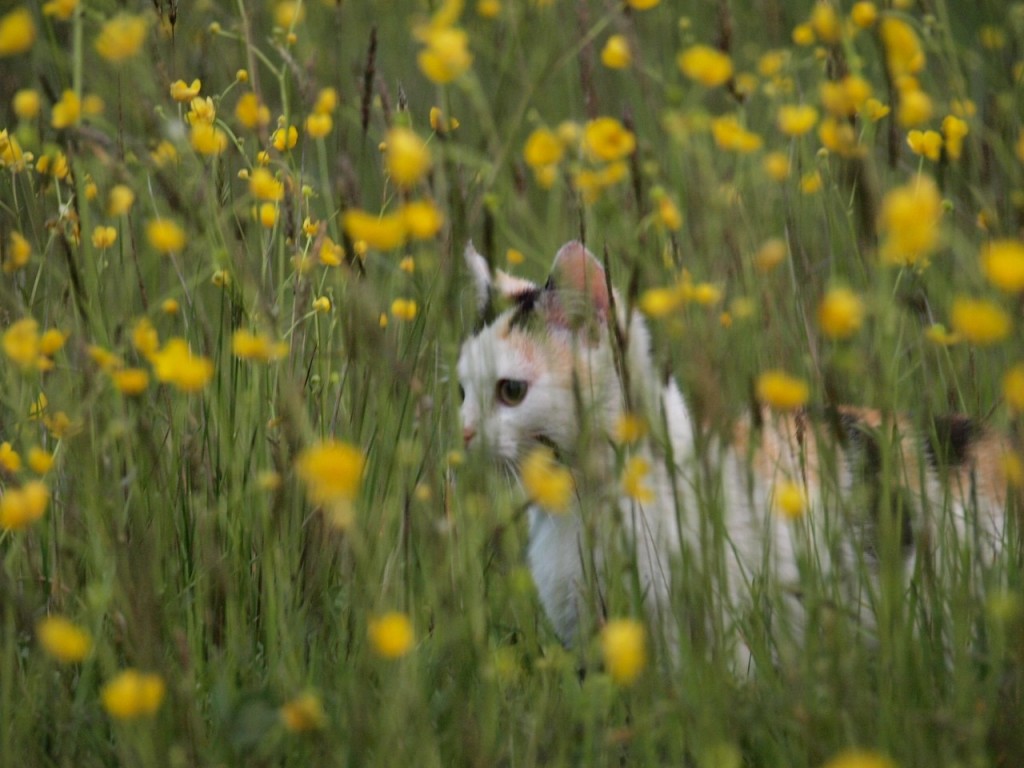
[579,291]
[483,285]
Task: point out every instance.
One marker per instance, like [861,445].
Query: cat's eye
[511,391]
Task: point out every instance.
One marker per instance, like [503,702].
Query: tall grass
[178,534]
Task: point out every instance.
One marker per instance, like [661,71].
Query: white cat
[546,372]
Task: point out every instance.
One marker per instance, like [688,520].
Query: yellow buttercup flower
[263,185]
[624,649]
[67,111]
[319,125]
[903,51]
[165,236]
[825,22]
[771,253]
[796,119]
[130,382]
[391,635]
[790,500]
[776,165]
[21,343]
[706,65]
[616,53]
[60,9]
[446,56]
[629,428]
[259,347]
[856,758]
[208,139]
[404,309]
[606,139]
[422,218]
[660,302]
[119,200]
[17,32]
[909,222]
[326,101]
[954,130]
[284,138]
[840,313]
[332,471]
[63,639]
[1013,388]
[20,507]
[781,391]
[304,713]
[18,253]
[175,364]
[250,113]
[729,134]
[9,458]
[40,460]
[634,476]
[1002,261]
[331,253]
[383,232]
[103,237]
[407,157]
[322,304]
[26,103]
[927,143]
[121,37]
[642,5]
[864,14]
[267,215]
[183,92]
[132,694]
[980,321]
[547,482]
[845,97]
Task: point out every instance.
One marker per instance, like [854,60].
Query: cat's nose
[468,433]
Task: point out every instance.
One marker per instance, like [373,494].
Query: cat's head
[527,374]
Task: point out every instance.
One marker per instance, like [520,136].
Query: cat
[557,368]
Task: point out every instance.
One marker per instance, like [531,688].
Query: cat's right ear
[483,285]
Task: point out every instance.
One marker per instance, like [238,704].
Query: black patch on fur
[487,313]
[525,308]
[949,441]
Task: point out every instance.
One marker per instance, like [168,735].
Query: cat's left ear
[580,289]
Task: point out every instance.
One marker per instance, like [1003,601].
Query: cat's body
[545,373]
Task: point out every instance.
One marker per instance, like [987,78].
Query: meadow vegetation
[237,525]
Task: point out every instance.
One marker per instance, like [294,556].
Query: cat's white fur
[562,361]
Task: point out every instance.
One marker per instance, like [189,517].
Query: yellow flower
[9,458]
[21,343]
[170,307]
[103,237]
[910,223]
[208,139]
[606,139]
[729,134]
[52,341]
[17,32]
[322,304]
[668,214]
[837,135]
[915,108]
[267,215]
[176,365]
[130,382]
[285,137]
[825,22]
[60,9]
[790,500]
[67,111]
[422,218]
[903,51]
[1013,388]
[132,694]
[629,428]
[954,129]
[438,122]
[796,119]
[180,91]
[332,472]
[856,758]
[616,53]
[250,113]
[18,253]
[980,321]
[624,649]
[26,103]
[708,66]
[319,125]
[547,483]
[11,154]
[407,157]
[927,143]
[1002,261]
[937,334]
[642,5]
[771,253]
[63,639]
[145,338]
[633,479]
[104,358]
[263,185]
[864,14]
[326,101]
[446,56]
[20,507]
[257,347]
[845,97]
[119,200]
[165,235]
[404,309]
[39,461]
[776,165]
[488,9]
[840,313]
[383,232]
[93,105]
[288,13]
[121,37]
[331,253]
[542,148]
[391,635]
[660,302]
[781,391]
[803,35]
[304,713]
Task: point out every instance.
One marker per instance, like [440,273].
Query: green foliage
[178,532]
